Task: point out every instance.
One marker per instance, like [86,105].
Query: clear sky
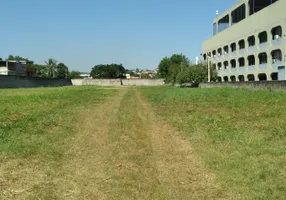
[83,33]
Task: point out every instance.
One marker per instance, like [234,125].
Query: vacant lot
[142,143]
[239,134]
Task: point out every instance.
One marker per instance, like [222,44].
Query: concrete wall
[99,82]
[143,82]
[263,85]
[30,82]
[118,82]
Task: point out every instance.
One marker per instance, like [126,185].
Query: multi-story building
[248,43]
[10,67]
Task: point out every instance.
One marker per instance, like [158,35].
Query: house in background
[151,73]
[85,75]
[14,68]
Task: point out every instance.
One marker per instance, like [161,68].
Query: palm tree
[52,65]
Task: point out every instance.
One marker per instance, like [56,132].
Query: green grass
[39,122]
[240,135]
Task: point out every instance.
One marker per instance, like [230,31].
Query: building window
[214,29]
[251,41]
[274,76]
[225,78]
[214,53]
[262,58]
[233,63]
[225,64]
[233,47]
[241,44]
[262,77]
[223,23]
[251,60]
[262,37]
[219,79]
[257,5]
[225,50]
[3,63]
[205,56]
[241,78]
[233,78]
[241,62]
[238,14]
[276,33]
[219,66]
[251,77]
[219,52]
[276,56]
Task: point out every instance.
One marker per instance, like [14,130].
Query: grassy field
[239,134]
[142,143]
[36,126]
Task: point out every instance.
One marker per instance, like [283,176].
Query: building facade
[15,68]
[249,42]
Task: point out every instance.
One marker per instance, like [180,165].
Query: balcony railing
[262,66]
[251,67]
[262,45]
[242,69]
[251,49]
[276,42]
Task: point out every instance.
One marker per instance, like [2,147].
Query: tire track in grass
[179,170]
[123,150]
[150,160]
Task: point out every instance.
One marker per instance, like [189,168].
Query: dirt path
[124,151]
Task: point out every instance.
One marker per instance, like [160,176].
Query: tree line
[116,71]
[51,69]
[179,69]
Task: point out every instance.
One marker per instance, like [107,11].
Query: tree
[164,67]
[74,75]
[41,70]
[51,65]
[108,71]
[197,73]
[62,71]
[145,76]
[170,67]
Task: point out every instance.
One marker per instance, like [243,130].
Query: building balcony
[226,56]
[277,64]
[241,51]
[276,42]
[251,67]
[242,69]
[262,46]
[233,54]
[219,58]
[251,49]
[233,70]
[262,66]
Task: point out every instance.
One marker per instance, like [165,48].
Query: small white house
[11,67]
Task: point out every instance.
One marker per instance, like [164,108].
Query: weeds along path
[123,150]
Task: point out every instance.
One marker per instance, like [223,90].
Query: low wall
[30,82]
[259,85]
[143,82]
[118,82]
[99,82]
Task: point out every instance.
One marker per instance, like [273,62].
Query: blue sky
[83,33]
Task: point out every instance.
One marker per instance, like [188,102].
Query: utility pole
[209,69]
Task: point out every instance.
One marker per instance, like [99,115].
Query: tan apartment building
[16,68]
[248,42]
